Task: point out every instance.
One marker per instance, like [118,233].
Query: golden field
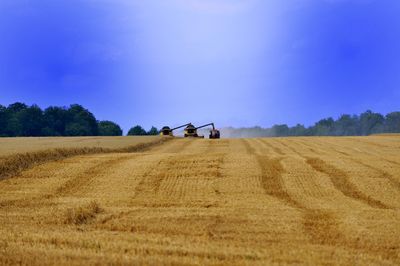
[31,144]
[314,200]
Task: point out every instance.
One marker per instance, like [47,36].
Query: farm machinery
[191,131]
[167,131]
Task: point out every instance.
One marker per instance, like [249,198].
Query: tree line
[364,124]
[21,120]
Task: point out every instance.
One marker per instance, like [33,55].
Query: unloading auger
[167,131]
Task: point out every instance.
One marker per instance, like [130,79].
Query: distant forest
[21,120]
[364,124]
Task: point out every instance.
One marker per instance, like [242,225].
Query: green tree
[31,121]
[77,129]
[280,130]
[3,120]
[55,120]
[16,107]
[324,127]
[108,128]
[81,122]
[392,122]
[298,130]
[347,125]
[371,123]
[14,126]
[137,131]
[153,131]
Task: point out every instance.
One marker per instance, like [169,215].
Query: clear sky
[233,62]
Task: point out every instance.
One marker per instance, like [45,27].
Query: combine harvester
[167,131]
[191,131]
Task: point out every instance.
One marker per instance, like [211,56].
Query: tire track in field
[288,147]
[82,178]
[151,180]
[391,161]
[272,181]
[274,148]
[15,164]
[393,181]
[320,225]
[339,179]
[178,145]
[341,182]
[175,167]
[299,142]
[364,151]
[82,181]
[191,172]
[328,147]
[271,175]
[176,171]
[249,149]
[218,146]
[381,173]
[370,143]
[166,185]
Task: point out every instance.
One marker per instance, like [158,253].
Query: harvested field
[317,200]
[31,144]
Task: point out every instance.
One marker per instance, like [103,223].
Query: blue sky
[233,62]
